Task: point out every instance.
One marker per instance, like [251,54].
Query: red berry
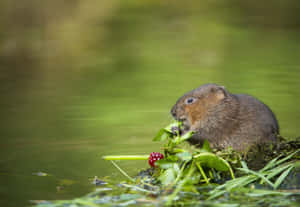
[154,156]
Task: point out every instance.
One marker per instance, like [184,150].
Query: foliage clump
[202,164]
[204,177]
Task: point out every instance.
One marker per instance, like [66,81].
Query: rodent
[225,119]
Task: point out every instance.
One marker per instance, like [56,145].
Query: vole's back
[257,122]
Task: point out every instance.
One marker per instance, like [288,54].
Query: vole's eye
[190,100]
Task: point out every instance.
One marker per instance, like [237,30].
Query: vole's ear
[219,92]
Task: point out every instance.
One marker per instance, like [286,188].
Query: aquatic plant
[204,177]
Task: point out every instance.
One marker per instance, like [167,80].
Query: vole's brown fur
[225,119]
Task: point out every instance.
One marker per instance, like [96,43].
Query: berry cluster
[154,156]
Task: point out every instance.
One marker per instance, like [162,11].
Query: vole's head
[195,105]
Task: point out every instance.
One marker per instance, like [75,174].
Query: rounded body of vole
[224,119]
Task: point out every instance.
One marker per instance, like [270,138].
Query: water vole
[225,119]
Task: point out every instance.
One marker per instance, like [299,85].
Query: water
[92,80]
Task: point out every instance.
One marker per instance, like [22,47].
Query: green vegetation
[176,156]
[200,177]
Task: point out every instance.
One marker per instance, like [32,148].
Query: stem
[122,171]
[211,174]
[179,187]
[231,173]
[202,172]
[126,157]
[180,173]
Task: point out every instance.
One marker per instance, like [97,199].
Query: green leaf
[172,125]
[186,136]
[176,168]
[167,132]
[206,146]
[208,159]
[184,156]
[274,162]
[178,150]
[269,164]
[244,165]
[261,193]
[240,182]
[237,183]
[216,194]
[288,157]
[258,174]
[165,164]
[167,177]
[162,135]
[194,179]
[282,177]
[277,170]
[179,187]
[171,158]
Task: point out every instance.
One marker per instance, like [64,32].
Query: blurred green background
[82,79]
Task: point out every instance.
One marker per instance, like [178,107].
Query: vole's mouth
[185,123]
[185,127]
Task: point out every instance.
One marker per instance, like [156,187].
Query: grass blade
[278,170]
[288,157]
[180,173]
[261,193]
[282,177]
[179,187]
[242,182]
[244,165]
[270,164]
[216,194]
[236,183]
[122,171]
[260,175]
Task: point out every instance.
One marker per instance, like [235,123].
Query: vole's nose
[173,111]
